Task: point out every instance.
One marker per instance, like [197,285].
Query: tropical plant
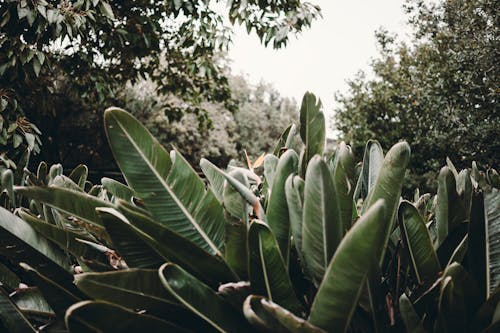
[293,243]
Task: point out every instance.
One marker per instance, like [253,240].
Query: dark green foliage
[60,61]
[439,91]
[257,248]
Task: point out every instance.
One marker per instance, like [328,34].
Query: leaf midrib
[172,195]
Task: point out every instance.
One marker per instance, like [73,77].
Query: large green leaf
[171,246]
[270,165]
[136,289]
[492,214]
[131,243]
[277,209]
[78,204]
[59,298]
[269,316]
[202,300]
[117,189]
[174,194]
[449,208]
[21,243]
[388,186]
[12,318]
[67,240]
[268,273]
[8,278]
[477,250]
[242,189]
[348,270]
[99,316]
[343,179]
[294,191]
[79,175]
[312,129]
[451,316]
[286,140]
[215,178]
[418,242]
[410,318]
[237,211]
[322,228]
[372,162]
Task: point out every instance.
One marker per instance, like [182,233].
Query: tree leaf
[285,140]
[267,270]
[312,129]
[343,179]
[272,317]
[79,175]
[372,162]
[135,289]
[449,208]
[117,189]
[418,243]
[12,318]
[202,300]
[171,246]
[59,298]
[411,319]
[77,204]
[277,209]
[180,202]
[67,240]
[492,214]
[322,228]
[21,243]
[294,191]
[348,270]
[99,316]
[388,186]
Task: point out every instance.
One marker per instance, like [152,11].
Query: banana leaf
[169,245]
[202,300]
[312,129]
[11,316]
[171,190]
[59,298]
[268,273]
[294,191]
[410,318]
[99,316]
[277,213]
[492,214]
[388,186]
[347,273]
[343,179]
[79,175]
[450,211]
[286,140]
[418,243]
[117,189]
[77,204]
[372,162]
[136,289]
[270,165]
[21,243]
[322,228]
[269,316]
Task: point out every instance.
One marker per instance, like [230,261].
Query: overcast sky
[323,57]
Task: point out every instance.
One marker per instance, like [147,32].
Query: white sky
[323,57]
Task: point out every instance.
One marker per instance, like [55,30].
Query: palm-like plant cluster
[305,242]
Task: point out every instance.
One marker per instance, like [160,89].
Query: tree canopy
[58,55]
[439,91]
